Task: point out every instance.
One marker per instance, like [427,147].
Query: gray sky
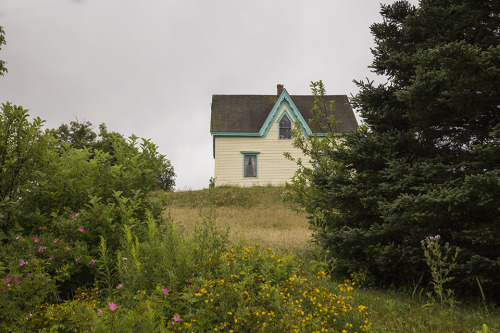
[150,67]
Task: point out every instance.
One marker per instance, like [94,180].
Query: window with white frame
[285,128]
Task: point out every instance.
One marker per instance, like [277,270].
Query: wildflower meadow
[85,246]
[165,281]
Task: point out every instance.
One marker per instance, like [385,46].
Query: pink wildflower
[177,318]
[92,262]
[22,262]
[55,240]
[112,307]
[40,249]
[36,240]
[99,312]
[72,216]
[165,291]
[67,248]
[119,286]
[8,278]
[51,257]
[81,229]
[18,237]
[98,218]
[30,275]
[124,259]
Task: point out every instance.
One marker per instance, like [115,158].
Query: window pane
[285,122]
[250,168]
[285,127]
[285,133]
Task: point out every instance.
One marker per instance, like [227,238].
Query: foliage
[23,146]
[427,160]
[164,285]
[2,42]
[250,289]
[441,262]
[32,268]
[256,290]
[164,256]
[80,135]
[66,200]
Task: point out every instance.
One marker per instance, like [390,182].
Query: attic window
[285,128]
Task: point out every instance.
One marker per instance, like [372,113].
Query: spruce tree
[427,162]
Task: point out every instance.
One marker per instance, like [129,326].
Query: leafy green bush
[23,147]
[35,270]
[80,135]
[67,199]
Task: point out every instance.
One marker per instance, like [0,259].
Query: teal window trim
[251,153]
[285,113]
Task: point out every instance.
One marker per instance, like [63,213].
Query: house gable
[285,101]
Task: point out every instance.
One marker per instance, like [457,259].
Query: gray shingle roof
[247,113]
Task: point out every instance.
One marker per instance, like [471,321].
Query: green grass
[397,311]
[236,197]
[259,215]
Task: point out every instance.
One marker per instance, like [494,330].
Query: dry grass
[254,215]
[259,215]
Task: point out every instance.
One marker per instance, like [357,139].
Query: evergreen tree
[427,161]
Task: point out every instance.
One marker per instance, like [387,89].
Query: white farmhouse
[251,133]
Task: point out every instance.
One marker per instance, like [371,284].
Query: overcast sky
[150,67]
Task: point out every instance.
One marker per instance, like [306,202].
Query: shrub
[34,270]
[248,290]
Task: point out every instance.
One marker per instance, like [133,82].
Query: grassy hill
[259,215]
[254,215]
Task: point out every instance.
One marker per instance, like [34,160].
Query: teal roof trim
[287,100]
[234,134]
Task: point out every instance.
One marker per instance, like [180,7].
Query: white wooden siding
[272,167]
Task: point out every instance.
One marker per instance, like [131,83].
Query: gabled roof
[251,114]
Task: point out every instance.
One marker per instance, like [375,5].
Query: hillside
[254,215]
[260,215]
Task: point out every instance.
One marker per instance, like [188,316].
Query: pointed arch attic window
[285,127]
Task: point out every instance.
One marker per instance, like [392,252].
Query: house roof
[248,113]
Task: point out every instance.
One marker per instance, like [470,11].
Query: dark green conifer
[428,160]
